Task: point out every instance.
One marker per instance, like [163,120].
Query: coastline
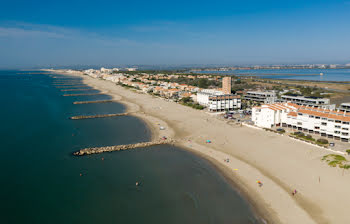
[273,203]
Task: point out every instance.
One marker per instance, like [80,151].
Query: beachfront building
[271,115]
[225,102]
[261,96]
[344,107]
[327,123]
[309,101]
[203,96]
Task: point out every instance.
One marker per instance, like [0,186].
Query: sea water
[41,182]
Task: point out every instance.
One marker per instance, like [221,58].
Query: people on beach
[259,183]
[294,192]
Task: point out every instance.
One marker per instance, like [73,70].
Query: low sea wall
[97,116]
[97,150]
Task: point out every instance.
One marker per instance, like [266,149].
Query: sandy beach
[279,162]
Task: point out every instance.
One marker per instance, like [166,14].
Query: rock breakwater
[97,116]
[94,101]
[63,90]
[97,150]
[83,94]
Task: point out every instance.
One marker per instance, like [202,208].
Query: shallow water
[41,182]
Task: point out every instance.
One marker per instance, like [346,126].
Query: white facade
[309,101]
[327,123]
[203,96]
[271,115]
[261,96]
[224,103]
[344,107]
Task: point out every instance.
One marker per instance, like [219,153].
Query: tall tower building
[226,85]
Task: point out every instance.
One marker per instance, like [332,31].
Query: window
[337,121]
[317,127]
[311,116]
[300,114]
[346,129]
[336,132]
[337,126]
[324,118]
[331,120]
[345,134]
[299,123]
[317,117]
[324,123]
[345,122]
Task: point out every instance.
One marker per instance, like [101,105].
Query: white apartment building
[203,96]
[261,96]
[309,101]
[271,115]
[327,123]
[344,107]
[224,102]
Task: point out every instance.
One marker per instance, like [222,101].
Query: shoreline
[273,203]
[258,209]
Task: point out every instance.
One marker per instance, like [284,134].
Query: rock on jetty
[96,150]
[76,89]
[93,101]
[65,87]
[97,116]
[66,84]
[83,94]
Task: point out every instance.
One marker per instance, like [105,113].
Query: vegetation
[336,160]
[187,101]
[301,135]
[322,141]
[348,151]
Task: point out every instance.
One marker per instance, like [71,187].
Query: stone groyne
[95,101]
[83,94]
[66,87]
[97,116]
[64,90]
[96,150]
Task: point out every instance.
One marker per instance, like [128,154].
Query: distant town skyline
[38,33]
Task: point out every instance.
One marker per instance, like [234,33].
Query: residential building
[224,102]
[203,96]
[309,101]
[344,107]
[327,123]
[226,85]
[271,115]
[261,96]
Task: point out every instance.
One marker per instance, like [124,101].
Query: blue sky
[63,33]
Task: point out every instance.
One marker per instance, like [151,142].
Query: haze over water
[298,74]
[40,180]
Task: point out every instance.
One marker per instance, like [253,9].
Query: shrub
[322,141]
[309,137]
[299,134]
[348,151]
